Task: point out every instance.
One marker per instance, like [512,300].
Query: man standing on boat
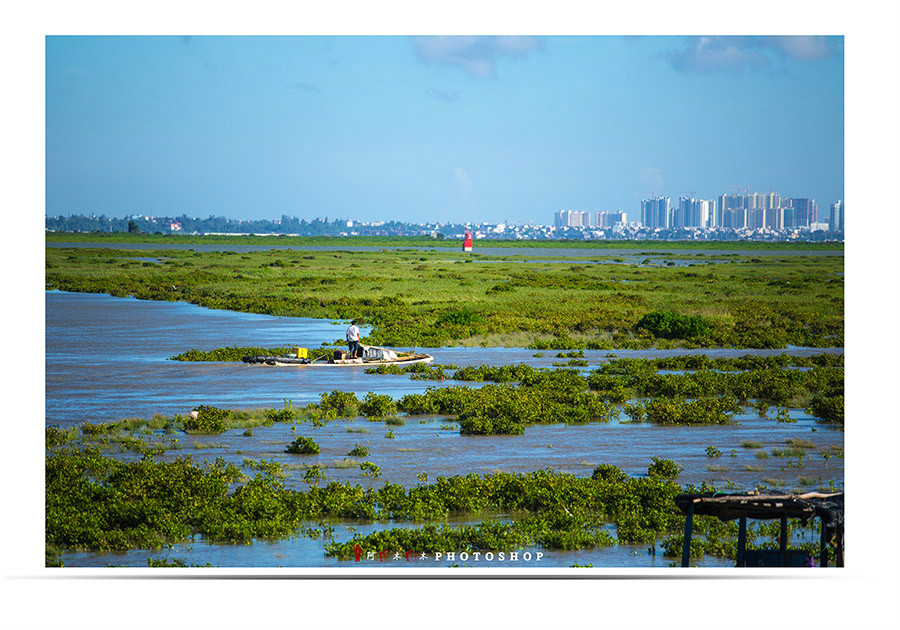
[353,339]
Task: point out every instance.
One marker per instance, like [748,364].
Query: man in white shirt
[353,340]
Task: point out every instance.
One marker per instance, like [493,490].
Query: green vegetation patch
[103,504]
[303,446]
[670,325]
[207,419]
[424,299]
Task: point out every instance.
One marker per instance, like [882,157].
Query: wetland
[562,413]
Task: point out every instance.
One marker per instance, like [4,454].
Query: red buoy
[467,244]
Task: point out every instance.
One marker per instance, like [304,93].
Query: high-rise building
[610,219]
[836,219]
[693,213]
[571,218]
[802,212]
[775,217]
[756,218]
[752,210]
[732,211]
[655,213]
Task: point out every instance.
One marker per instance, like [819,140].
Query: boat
[372,356]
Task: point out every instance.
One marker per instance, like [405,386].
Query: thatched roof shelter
[829,507]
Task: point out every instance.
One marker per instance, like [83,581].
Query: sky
[436,128]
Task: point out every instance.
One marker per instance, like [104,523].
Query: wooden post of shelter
[839,547]
[782,541]
[742,540]
[688,532]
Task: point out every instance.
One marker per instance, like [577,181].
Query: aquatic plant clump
[663,469]
[206,420]
[338,404]
[506,410]
[665,411]
[303,446]
[358,451]
[766,379]
[96,502]
[377,406]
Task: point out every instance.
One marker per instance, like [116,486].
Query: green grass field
[428,299]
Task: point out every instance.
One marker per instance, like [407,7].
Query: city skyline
[467,129]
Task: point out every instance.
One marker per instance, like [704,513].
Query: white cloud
[801,46]
[716,54]
[462,179]
[475,55]
[738,54]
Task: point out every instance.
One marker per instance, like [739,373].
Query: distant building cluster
[754,211]
[742,215]
[584,219]
[739,212]
[766,217]
[765,211]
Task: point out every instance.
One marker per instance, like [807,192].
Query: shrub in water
[303,446]
[339,404]
[663,469]
[280,415]
[377,406]
[208,420]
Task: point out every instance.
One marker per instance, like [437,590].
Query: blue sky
[436,128]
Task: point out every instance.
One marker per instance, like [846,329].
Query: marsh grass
[751,444]
[345,463]
[789,452]
[764,303]
[134,424]
[358,451]
[799,443]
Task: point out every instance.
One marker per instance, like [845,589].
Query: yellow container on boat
[300,353]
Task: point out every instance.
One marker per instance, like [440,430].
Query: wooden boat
[372,356]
